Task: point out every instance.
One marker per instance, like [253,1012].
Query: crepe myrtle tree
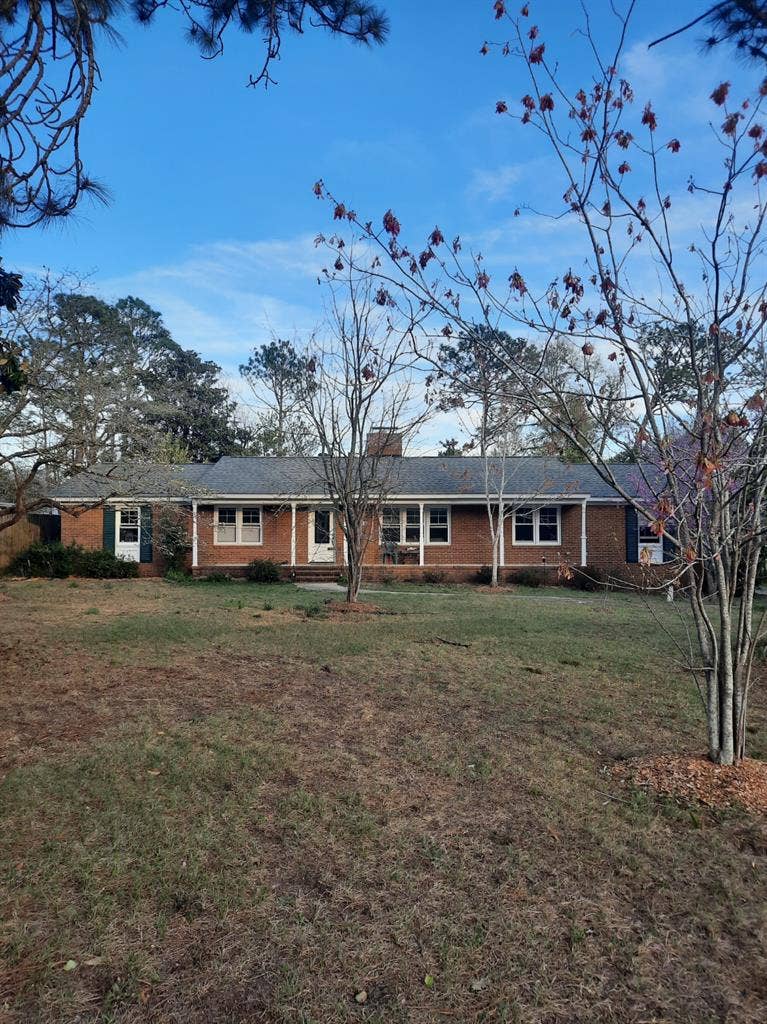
[360,379]
[614,159]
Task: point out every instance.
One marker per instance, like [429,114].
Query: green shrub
[485,575]
[434,576]
[217,577]
[56,561]
[179,576]
[586,577]
[103,565]
[51,561]
[261,570]
[528,578]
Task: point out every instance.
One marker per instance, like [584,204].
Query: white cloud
[225,297]
[494,184]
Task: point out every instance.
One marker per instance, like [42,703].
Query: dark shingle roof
[133,479]
[425,476]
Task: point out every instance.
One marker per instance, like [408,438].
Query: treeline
[98,381]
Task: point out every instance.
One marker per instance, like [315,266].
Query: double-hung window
[651,541]
[129,526]
[401,525]
[538,525]
[439,524]
[235,525]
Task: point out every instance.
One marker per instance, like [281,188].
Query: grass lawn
[222,805]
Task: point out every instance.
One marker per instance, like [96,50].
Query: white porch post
[502,538]
[584,542]
[292,533]
[420,534]
[194,533]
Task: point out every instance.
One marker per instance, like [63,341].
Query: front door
[128,534]
[321,546]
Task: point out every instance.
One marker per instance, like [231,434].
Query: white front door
[321,532]
[128,534]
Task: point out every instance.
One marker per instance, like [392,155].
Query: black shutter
[668,548]
[109,529]
[632,535]
[145,551]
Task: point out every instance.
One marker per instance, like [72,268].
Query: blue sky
[212,215]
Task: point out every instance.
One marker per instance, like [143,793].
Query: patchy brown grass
[219,812]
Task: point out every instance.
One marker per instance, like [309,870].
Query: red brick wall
[86,528]
[469,547]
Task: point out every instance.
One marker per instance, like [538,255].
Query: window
[646,533]
[524,530]
[401,525]
[412,525]
[322,526]
[251,526]
[537,525]
[651,541]
[391,526]
[548,525]
[238,525]
[226,531]
[439,524]
[129,526]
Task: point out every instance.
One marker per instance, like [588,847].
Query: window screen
[523,525]
[438,525]
[548,524]
[251,526]
[226,530]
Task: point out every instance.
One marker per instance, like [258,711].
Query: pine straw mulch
[696,778]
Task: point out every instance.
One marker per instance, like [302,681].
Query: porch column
[194,533]
[584,543]
[420,533]
[292,533]
[502,538]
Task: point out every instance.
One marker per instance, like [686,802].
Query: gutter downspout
[584,541]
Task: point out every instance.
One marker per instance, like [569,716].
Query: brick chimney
[384,441]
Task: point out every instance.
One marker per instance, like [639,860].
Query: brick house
[434,517]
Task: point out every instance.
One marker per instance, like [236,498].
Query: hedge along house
[434,517]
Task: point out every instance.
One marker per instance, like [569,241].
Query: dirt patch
[360,608]
[697,778]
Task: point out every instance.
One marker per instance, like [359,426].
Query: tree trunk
[353,582]
[494,568]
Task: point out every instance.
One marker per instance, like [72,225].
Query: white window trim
[403,541]
[119,524]
[238,542]
[655,547]
[427,521]
[536,542]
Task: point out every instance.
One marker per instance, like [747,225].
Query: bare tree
[359,386]
[705,496]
